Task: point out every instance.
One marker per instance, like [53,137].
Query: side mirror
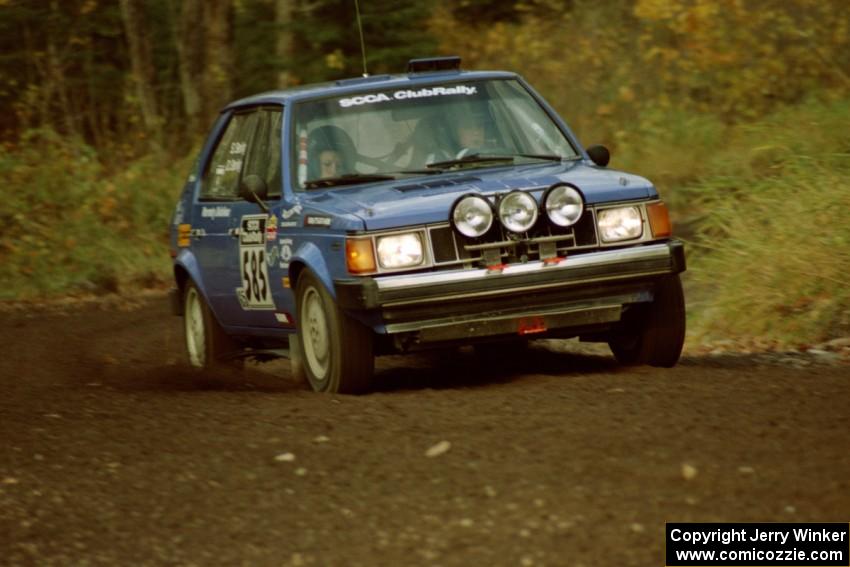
[599,154]
[253,189]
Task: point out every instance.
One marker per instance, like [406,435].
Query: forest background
[738,110]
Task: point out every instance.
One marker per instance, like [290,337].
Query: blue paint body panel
[311,226]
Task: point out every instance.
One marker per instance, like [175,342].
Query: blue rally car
[332,223]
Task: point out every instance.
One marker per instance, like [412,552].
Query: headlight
[624,223]
[518,211]
[472,215]
[563,204]
[400,250]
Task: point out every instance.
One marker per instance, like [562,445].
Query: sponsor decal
[272,257]
[288,224]
[253,230]
[284,318]
[285,252]
[316,220]
[374,98]
[271,229]
[218,212]
[291,212]
[238,148]
[255,292]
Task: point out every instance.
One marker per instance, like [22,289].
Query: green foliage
[256,33]
[605,64]
[68,225]
[482,13]
[328,42]
[772,244]
[673,148]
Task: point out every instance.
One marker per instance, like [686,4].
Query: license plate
[531,325]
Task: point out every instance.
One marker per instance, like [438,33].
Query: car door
[230,233]
[265,160]
[258,271]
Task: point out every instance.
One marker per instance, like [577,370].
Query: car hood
[425,200]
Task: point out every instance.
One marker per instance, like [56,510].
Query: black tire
[654,333]
[335,351]
[296,359]
[207,346]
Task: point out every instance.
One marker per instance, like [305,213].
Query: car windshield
[384,134]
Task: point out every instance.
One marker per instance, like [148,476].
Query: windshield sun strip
[296,105]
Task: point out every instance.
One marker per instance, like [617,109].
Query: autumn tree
[141,65]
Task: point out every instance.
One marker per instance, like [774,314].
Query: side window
[224,170]
[264,154]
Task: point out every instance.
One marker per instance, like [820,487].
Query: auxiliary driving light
[518,211]
[563,204]
[472,215]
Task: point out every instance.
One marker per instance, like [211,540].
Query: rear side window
[224,171]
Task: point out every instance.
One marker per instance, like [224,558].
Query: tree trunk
[141,62]
[283,16]
[188,36]
[56,77]
[218,51]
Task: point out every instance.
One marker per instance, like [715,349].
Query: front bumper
[580,291]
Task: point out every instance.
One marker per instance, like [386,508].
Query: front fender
[309,255]
[189,263]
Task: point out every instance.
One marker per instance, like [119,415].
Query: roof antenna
[362,43]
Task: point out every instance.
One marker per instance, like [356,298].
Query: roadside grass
[70,225]
[765,207]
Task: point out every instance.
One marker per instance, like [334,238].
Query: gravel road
[115,453]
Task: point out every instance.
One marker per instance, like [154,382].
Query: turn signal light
[184,234]
[659,219]
[360,256]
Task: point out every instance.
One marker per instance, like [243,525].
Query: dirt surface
[115,453]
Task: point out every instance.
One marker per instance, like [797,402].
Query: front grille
[449,248]
[443,244]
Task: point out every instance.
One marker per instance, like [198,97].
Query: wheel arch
[181,276]
[186,269]
[309,257]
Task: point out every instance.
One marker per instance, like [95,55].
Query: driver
[470,134]
[330,163]
[330,152]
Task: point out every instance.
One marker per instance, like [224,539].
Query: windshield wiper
[431,171]
[348,179]
[549,157]
[470,158]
